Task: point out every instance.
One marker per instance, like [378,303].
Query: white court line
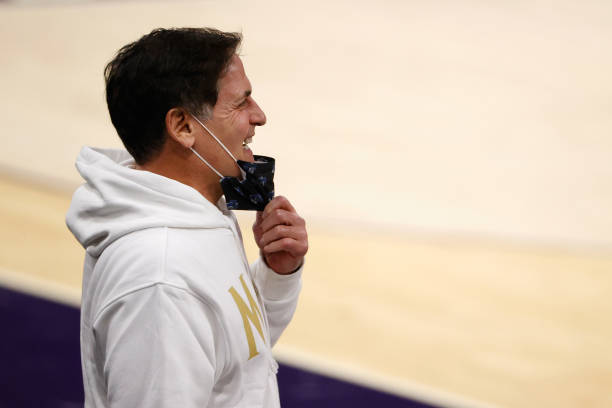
[40,287]
[365,377]
[70,296]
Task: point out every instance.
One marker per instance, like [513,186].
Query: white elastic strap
[207,163]
[215,137]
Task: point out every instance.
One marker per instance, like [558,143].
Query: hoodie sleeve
[280,295]
[157,350]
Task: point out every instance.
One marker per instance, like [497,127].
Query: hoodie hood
[117,199]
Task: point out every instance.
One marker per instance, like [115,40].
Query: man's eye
[243,103]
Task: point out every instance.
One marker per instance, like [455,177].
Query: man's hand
[281,236]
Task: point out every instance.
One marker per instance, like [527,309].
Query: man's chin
[247,155]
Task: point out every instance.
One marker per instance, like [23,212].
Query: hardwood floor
[452,160]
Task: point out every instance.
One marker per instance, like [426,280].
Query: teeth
[247,141]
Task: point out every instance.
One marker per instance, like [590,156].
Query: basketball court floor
[452,160]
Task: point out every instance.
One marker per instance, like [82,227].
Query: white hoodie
[172,314]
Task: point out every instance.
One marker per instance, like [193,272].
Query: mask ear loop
[207,163]
[215,137]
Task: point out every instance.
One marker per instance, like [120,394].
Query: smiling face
[233,119]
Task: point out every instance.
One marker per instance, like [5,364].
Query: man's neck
[176,168]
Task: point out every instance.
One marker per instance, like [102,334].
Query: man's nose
[258,117]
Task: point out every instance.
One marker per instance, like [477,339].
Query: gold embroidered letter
[251,314]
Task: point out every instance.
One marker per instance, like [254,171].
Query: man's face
[233,119]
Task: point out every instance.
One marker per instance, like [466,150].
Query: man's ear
[179,125]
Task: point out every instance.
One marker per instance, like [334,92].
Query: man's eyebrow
[245,95]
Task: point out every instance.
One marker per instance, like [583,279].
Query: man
[172,314]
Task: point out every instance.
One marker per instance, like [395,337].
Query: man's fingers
[283,231]
[279,228]
[257,223]
[278,202]
[282,217]
[295,248]
[258,220]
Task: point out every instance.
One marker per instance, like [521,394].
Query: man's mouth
[245,143]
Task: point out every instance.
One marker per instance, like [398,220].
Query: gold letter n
[251,314]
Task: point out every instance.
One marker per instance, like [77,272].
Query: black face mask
[255,190]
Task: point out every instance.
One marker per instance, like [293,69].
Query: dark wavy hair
[164,69]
